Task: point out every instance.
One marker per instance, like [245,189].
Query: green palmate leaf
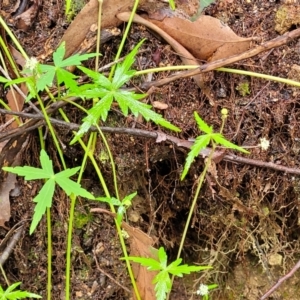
[110,91]
[43,200]
[200,143]
[202,125]
[220,139]
[44,197]
[47,72]
[162,280]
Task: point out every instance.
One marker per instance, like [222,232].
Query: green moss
[81,219]
[243,89]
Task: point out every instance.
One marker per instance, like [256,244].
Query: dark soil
[245,215]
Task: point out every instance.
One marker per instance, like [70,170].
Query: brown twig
[160,137]
[280,281]
[277,42]
[11,244]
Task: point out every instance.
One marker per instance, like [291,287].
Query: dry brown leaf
[141,245]
[207,38]
[15,102]
[88,16]
[10,155]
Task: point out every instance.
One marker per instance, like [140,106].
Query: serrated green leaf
[76,59]
[202,124]
[128,100]
[100,109]
[221,140]
[46,163]
[97,77]
[162,257]
[123,72]
[3,79]
[12,286]
[43,200]
[68,79]
[174,264]
[67,173]
[46,77]
[17,81]
[163,285]
[200,143]
[71,187]
[185,269]
[29,173]
[150,263]
[59,54]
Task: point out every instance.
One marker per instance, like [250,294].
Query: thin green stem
[13,38]
[113,166]
[258,75]
[49,234]
[49,255]
[165,69]
[50,127]
[192,208]
[120,49]
[107,194]
[98,34]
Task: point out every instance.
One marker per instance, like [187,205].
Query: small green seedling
[122,205]
[108,91]
[162,280]
[243,89]
[44,197]
[202,142]
[39,76]
[12,294]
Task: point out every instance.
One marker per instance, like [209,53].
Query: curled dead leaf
[141,245]
[207,38]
